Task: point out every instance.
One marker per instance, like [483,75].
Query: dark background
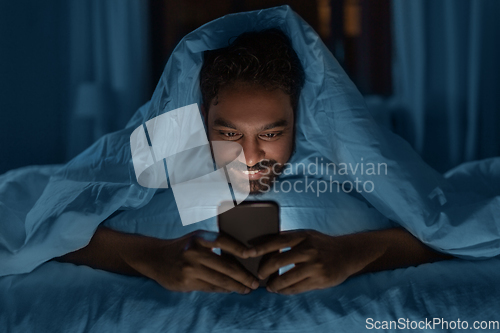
[358,32]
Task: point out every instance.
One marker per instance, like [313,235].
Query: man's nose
[253,151]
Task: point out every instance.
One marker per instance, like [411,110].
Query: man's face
[262,123]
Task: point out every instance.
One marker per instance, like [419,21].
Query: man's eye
[230,135]
[268,136]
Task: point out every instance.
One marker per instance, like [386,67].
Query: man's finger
[225,243]
[275,261]
[220,280]
[276,242]
[230,268]
[297,288]
[208,287]
[295,275]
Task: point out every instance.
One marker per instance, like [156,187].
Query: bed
[58,297]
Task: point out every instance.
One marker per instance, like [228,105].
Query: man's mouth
[255,174]
[252,174]
[263,172]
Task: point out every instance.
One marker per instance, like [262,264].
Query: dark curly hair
[265,58]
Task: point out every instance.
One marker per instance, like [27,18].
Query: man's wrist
[111,251]
[136,251]
[366,248]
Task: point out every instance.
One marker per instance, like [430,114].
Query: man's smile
[252,174]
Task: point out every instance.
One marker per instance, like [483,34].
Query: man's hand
[323,261]
[188,264]
[183,264]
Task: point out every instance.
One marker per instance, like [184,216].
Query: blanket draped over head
[46,213]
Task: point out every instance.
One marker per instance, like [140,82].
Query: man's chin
[256,188]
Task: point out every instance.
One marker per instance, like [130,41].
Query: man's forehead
[223,122]
[252,107]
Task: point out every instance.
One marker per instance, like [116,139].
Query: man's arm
[402,250]
[182,264]
[107,249]
[323,261]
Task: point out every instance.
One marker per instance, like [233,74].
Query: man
[250,95]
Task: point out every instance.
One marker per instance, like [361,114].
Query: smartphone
[248,222]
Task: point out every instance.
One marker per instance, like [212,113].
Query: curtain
[109,67]
[33,82]
[447,77]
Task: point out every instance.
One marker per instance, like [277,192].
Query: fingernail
[260,276]
[255,285]
[269,289]
[247,290]
[251,252]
